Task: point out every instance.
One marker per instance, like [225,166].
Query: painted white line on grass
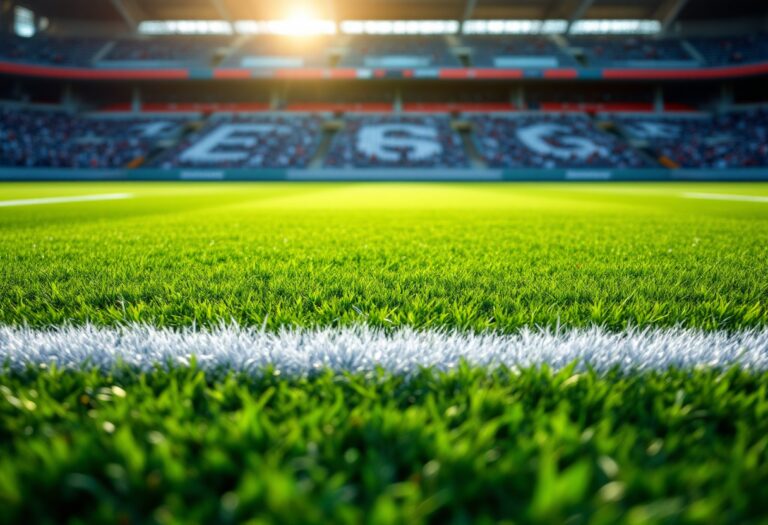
[60,200]
[363,349]
[725,197]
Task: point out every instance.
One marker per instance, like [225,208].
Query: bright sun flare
[303,22]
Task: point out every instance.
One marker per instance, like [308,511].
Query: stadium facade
[579,91]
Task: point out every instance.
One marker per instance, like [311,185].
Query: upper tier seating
[399,52]
[732,50]
[383,52]
[191,50]
[43,49]
[281,52]
[516,52]
[634,51]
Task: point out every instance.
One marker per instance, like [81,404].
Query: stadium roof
[134,11]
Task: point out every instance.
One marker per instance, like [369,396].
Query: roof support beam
[125,13]
[224,13]
[579,12]
[668,13]
[469,9]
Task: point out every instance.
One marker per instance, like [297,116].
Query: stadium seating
[281,52]
[399,52]
[385,51]
[516,52]
[194,50]
[551,141]
[732,50]
[731,140]
[44,49]
[253,141]
[35,138]
[634,51]
[397,142]
[52,138]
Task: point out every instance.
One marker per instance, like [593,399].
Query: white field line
[362,349]
[60,200]
[725,197]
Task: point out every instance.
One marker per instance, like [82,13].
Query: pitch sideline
[726,197]
[63,200]
[298,352]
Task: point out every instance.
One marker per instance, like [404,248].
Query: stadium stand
[51,138]
[515,52]
[397,142]
[550,141]
[146,52]
[634,51]
[281,52]
[732,50]
[43,49]
[35,138]
[253,141]
[384,52]
[738,139]
[399,52]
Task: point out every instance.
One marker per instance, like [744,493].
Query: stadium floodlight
[514,27]
[400,27]
[617,27]
[185,27]
[24,22]
[290,27]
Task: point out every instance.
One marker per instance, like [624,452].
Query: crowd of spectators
[43,49]
[55,139]
[248,141]
[399,51]
[551,141]
[732,50]
[618,50]
[737,139]
[397,142]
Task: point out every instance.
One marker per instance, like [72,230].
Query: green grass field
[465,447]
[468,446]
[424,255]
